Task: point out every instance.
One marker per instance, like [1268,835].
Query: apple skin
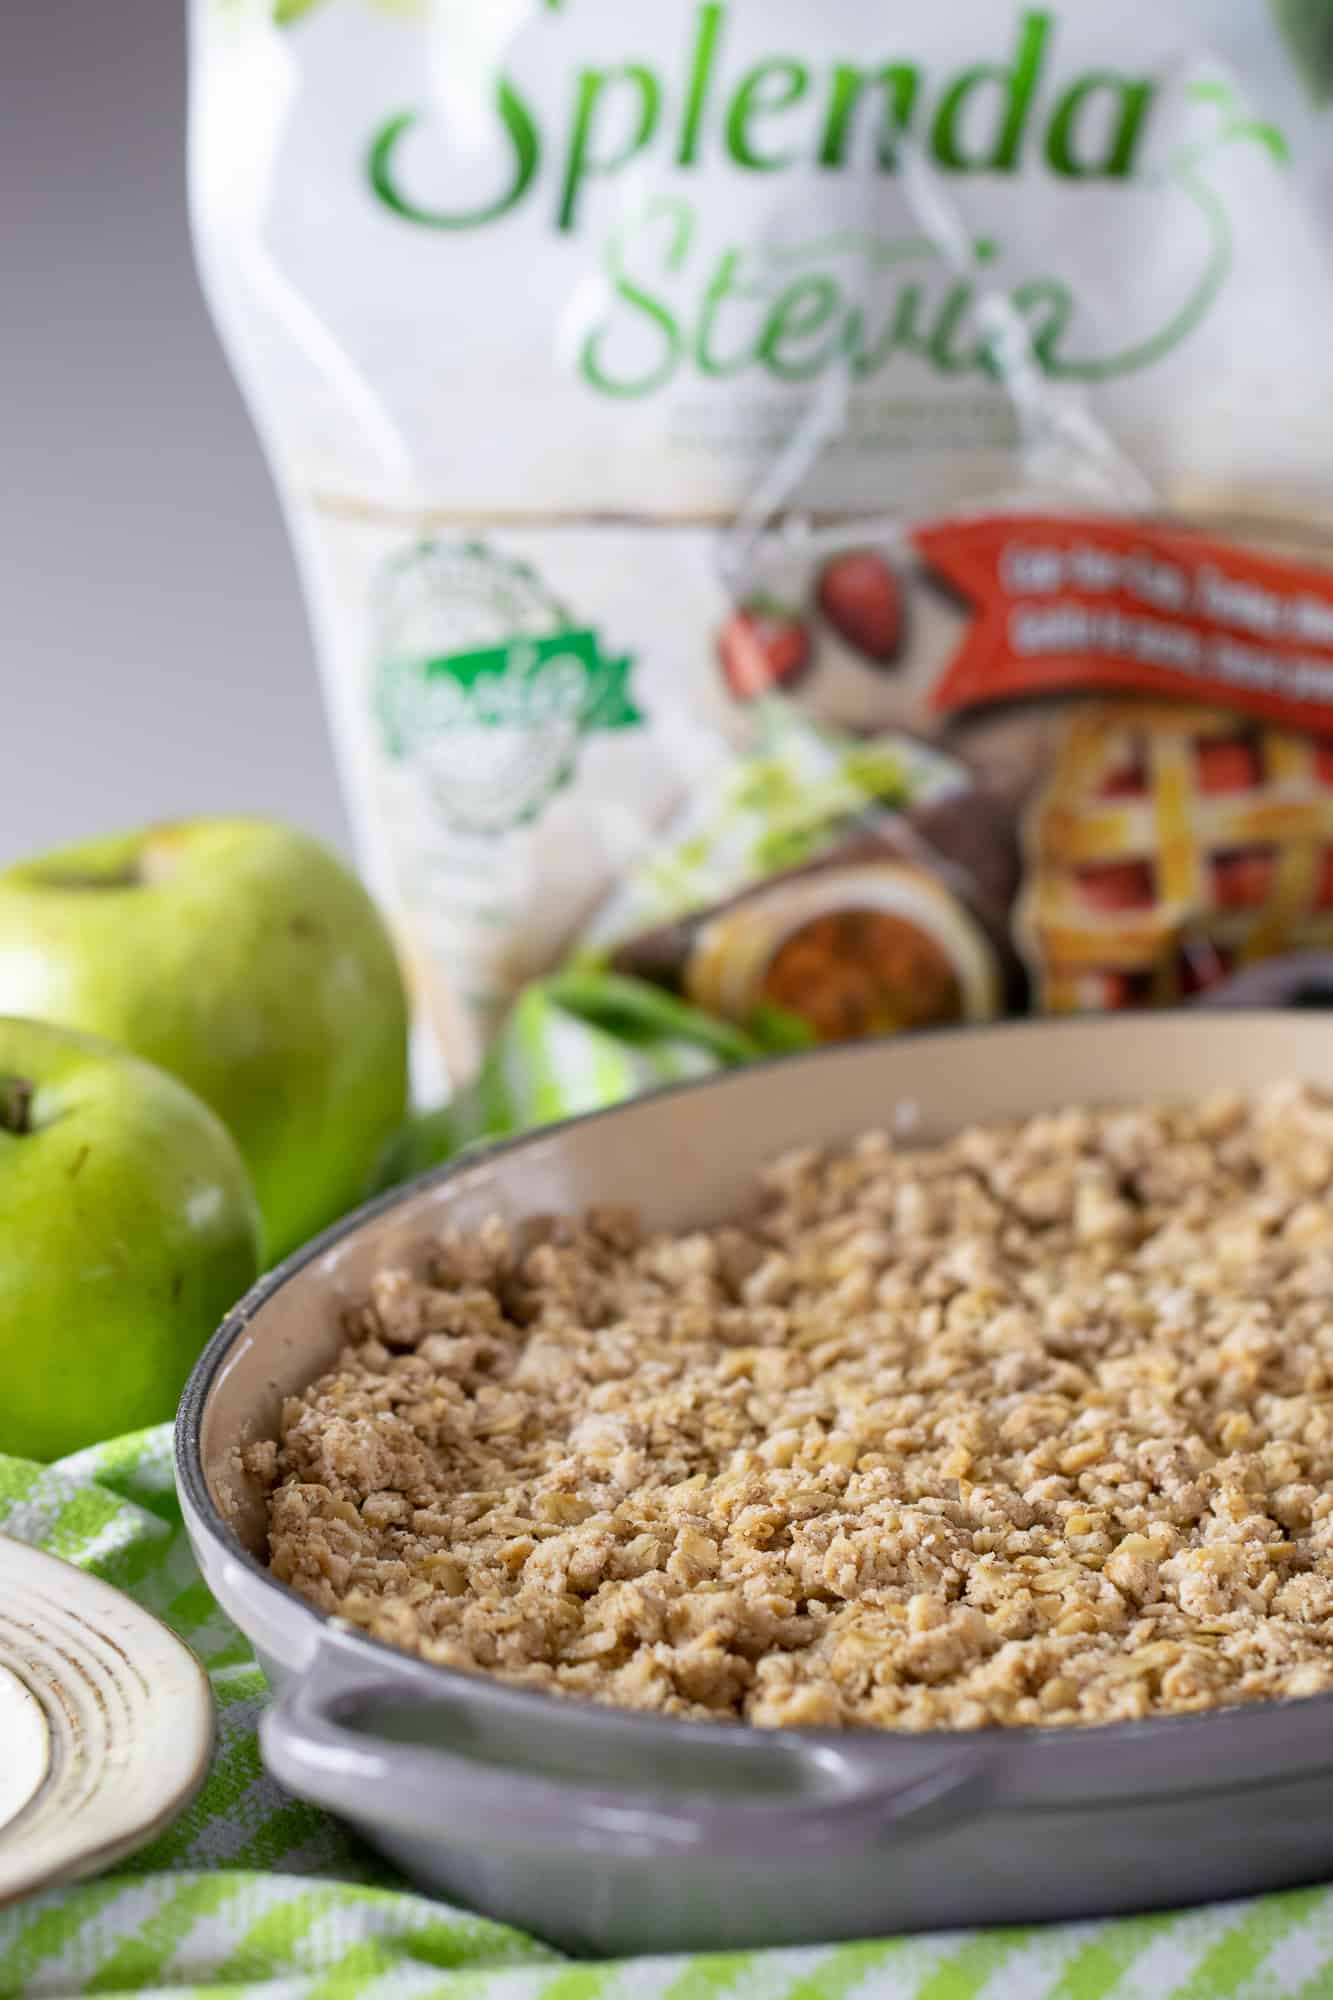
[128,1227]
[245,959]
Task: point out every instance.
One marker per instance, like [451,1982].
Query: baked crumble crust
[1031,1427]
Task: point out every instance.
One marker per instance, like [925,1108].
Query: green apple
[128,1227]
[245,959]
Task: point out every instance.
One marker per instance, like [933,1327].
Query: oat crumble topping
[1035,1426]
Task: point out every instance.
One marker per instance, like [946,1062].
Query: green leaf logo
[494,732]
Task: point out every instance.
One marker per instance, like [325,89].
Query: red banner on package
[1063,605]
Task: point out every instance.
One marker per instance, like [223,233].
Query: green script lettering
[722,290]
[897,82]
[593,360]
[585,162]
[1016,87]
[768,88]
[803,311]
[523,137]
[1127,106]
[702,64]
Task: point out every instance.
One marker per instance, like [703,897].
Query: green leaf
[1266,135]
[1232,124]
[1307,29]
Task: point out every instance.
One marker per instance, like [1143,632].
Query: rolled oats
[1032,1427]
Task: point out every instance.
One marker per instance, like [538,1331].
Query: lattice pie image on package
[1169,846]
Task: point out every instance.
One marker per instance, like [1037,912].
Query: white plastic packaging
[588,339]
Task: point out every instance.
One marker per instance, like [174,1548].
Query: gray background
[156,661]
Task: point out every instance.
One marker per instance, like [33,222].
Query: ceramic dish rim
[395,1663]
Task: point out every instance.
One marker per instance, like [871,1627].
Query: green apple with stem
[128,1227]
[245,959]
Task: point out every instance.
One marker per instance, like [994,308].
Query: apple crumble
[1032,1427]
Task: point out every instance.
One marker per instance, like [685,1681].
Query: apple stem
[15,1105]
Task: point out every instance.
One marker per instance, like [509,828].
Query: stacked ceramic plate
[106,1723]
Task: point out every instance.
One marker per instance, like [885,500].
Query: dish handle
[595,1779]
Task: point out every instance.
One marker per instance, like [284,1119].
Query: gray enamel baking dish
[619,1833]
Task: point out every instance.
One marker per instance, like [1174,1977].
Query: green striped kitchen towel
[576,1042]
[252,1894]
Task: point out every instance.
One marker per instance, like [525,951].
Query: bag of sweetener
[816,512]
